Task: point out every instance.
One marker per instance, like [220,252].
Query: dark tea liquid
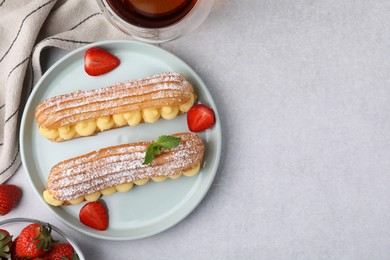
[152,13]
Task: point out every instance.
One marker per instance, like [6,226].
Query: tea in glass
[152,13]
[156,20]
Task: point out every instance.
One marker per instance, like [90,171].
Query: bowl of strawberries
[24,238]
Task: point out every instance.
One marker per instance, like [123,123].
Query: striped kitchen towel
[26,28]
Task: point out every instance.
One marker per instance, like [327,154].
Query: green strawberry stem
[5,248]
[45,239]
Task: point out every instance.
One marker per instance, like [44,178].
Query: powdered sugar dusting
[129,95]
[115,165]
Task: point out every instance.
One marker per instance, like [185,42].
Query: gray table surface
[303,91]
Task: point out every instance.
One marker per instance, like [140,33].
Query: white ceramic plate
[144,210]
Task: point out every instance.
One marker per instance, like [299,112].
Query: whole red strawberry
[9,197]
[98,61]
[61,251]
[94,215]
[34,240]
[5,244]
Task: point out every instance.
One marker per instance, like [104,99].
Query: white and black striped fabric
[26,28]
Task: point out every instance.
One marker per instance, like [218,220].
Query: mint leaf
[164,141]
[156,149]
[167,141]
[150,152]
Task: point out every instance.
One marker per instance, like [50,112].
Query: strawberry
[98,61]
[60,251]
[94,215]
[34,240]
[200,117]
[9,197]
[5,244]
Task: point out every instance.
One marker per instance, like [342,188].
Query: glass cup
[156,21]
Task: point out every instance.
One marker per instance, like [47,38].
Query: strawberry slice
[9,197]
[200,117]
[94,215]
[98,61]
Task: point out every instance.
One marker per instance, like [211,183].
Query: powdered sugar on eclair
[168,89]
[121,164]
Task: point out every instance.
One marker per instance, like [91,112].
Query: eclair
[85,113]
[118,168]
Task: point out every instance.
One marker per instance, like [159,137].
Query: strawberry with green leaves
[34,241]
[9,197]
[5,244]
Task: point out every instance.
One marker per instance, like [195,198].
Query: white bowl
[15,225]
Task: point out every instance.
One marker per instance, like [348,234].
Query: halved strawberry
[200,117]
[98,61]
[9,197]
[94,215]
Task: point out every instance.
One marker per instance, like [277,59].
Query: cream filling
[119,120]
[67,132]
[186,106]
[176,176]
[49,133]
[120,188]
[192,172]
[169,112]
[108,191]
[86,128]
[125,187]
[141,182]
[133,118]
[76,201]
[159,178]
[105,123]
[50,200]
[93,197]
[150,115]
